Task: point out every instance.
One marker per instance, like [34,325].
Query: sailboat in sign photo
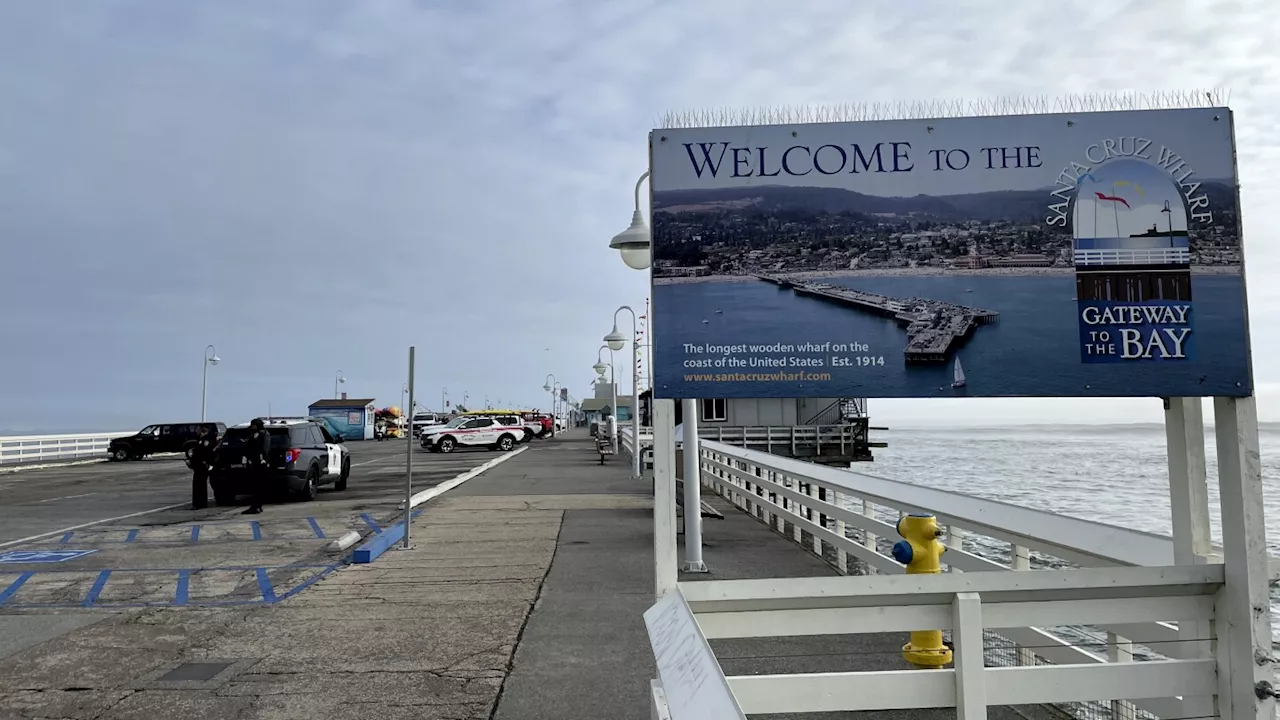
[958,372]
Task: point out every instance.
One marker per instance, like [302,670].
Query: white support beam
[1043,585]
[1244,611]
[913,689]
[666,556]
[999,616]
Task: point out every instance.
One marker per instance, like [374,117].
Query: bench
[706,510]
[605,447]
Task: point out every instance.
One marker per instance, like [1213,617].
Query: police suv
[303,455]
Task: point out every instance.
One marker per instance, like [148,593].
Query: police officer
[255,461]
[201,462]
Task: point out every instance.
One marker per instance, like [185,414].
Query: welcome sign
[1088,254]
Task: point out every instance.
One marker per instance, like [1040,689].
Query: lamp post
[444,400]
[338,378]
[549,384]
[634,243]
[600,367]
[615,341]
[210,358]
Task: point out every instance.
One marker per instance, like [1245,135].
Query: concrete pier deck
[521,599]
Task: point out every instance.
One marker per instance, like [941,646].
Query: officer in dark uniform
[201,462]
[255,461]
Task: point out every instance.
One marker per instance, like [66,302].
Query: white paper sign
[691,676]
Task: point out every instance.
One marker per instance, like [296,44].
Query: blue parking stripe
[14,587]
[66,537]
[181,595]
[133,535]
[264,584]
[96,590]
[195,533]
[256,527]
[316,527]
[368,520]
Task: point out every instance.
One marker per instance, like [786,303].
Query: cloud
[318,185]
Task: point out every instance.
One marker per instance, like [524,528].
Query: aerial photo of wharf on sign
[932,326]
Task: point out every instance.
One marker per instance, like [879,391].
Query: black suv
[303,455]
[168,438]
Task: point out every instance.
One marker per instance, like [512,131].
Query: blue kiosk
[352,417]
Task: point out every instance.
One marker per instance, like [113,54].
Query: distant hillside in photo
[1009,205]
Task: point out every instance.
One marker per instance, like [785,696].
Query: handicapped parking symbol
[19,557]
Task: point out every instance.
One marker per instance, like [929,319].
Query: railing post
[966,635]
[1120,650]
[666,559]
[797,509]
[1246,664]
[817,537]
[955,541]
[1020,559]
[868,538]
[842,556]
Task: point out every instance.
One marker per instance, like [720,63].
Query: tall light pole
[615,341]
[599,367]
[549,384]
[633,243]
[210,358]
[444,400]
[338,378]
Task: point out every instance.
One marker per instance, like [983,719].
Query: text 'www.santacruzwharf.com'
[759,377]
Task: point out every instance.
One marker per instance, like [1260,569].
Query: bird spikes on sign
[944,108]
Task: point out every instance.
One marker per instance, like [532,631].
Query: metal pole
[635,404]
[613,391]
[692,490]
[204,385]
[408,461]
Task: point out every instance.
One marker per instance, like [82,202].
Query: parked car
[427,419]
[165,438]
[500,432]
[303,456]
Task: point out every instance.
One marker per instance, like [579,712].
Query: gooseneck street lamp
[549,385]
[600,367]
[634,243]
[210,358]
[338,378]
[616,341]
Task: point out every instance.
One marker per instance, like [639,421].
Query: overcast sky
[314,185]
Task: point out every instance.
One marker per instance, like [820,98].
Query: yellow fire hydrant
[920,551]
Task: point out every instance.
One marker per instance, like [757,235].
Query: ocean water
[1114,474]
[1033,350]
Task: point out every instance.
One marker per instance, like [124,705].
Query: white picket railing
[15,449]
[968,605]
[780,491]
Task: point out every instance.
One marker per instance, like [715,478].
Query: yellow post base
[926,650]
[926,657]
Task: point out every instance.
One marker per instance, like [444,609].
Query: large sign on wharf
[1084,254]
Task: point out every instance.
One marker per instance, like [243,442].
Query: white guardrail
[1091,622]
[35,449]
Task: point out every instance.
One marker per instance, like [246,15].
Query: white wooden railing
[966,604]
[16,449]
[627,444]
[855,514]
